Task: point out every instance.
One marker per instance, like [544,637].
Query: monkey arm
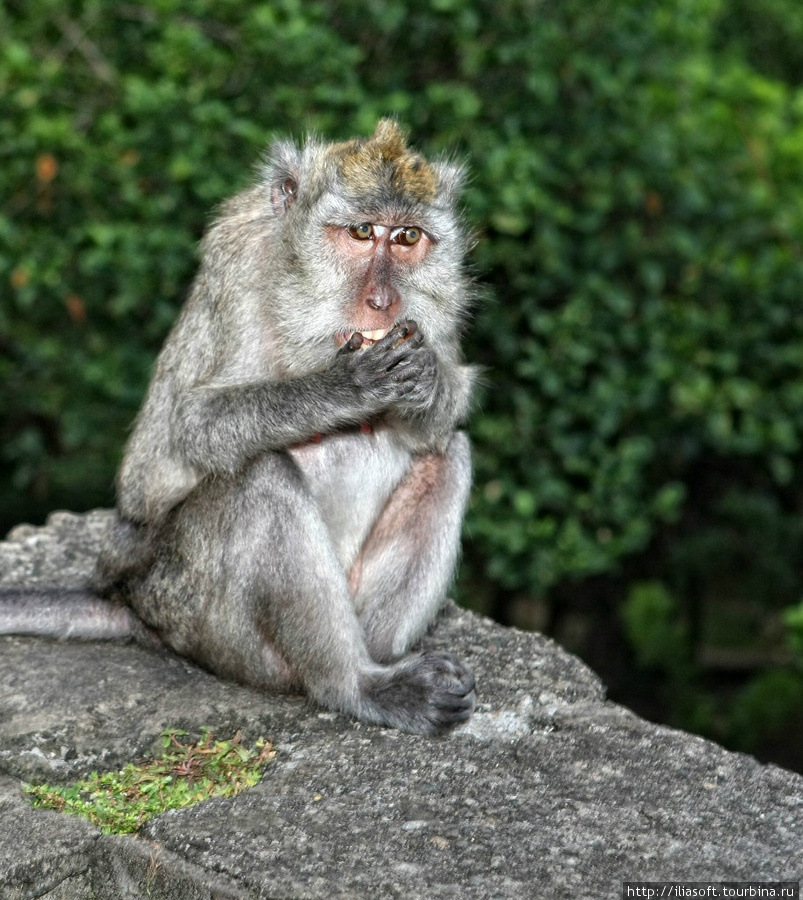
[218,429]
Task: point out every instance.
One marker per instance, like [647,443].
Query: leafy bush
[646,259]
[637,197]
[767,33]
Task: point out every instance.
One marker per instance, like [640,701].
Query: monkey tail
[59,613]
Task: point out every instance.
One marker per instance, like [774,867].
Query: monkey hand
[397,370]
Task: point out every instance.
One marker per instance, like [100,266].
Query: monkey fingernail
[406,333]
[407,330]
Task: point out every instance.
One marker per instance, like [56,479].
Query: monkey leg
[247,582]
[401,577]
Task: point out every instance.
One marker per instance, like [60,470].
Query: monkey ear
[451,176]
[283,195]
[280,174]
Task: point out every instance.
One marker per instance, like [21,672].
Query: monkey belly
[351,476]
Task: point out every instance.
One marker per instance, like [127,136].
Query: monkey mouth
[371,337]
[368,337]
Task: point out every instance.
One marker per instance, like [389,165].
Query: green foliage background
[638,197]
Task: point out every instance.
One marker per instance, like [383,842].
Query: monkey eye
[362,232]
[408,236]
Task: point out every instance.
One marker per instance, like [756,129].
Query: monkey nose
[382,298]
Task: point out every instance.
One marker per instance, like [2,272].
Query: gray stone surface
[550,791]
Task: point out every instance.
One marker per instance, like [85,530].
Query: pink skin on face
[375,249]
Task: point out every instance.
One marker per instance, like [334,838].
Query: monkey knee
[264,488]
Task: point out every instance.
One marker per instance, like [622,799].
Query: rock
[549,791]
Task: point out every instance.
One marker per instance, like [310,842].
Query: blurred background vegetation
[638,195]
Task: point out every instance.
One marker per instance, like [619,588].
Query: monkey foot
[428,693]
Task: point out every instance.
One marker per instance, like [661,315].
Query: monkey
[290,500]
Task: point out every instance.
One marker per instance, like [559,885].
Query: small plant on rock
[182,775]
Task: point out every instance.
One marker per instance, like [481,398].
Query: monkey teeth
[370,337]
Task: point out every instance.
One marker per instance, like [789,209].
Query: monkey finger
[402,369]
[414,340]
[400,334]
[392,355]
[353,343]
[404,354]
[407,330]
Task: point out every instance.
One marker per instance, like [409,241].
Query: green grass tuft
[182,775]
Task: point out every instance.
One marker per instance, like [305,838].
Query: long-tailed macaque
[291,498]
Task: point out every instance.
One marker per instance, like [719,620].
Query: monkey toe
[448,672]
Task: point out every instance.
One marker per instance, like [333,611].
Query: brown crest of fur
[385,163]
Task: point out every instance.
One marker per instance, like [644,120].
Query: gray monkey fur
[289,510]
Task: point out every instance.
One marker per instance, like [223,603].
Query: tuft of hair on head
[384,164]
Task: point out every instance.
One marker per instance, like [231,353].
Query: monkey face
[377,257]
[366,237]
